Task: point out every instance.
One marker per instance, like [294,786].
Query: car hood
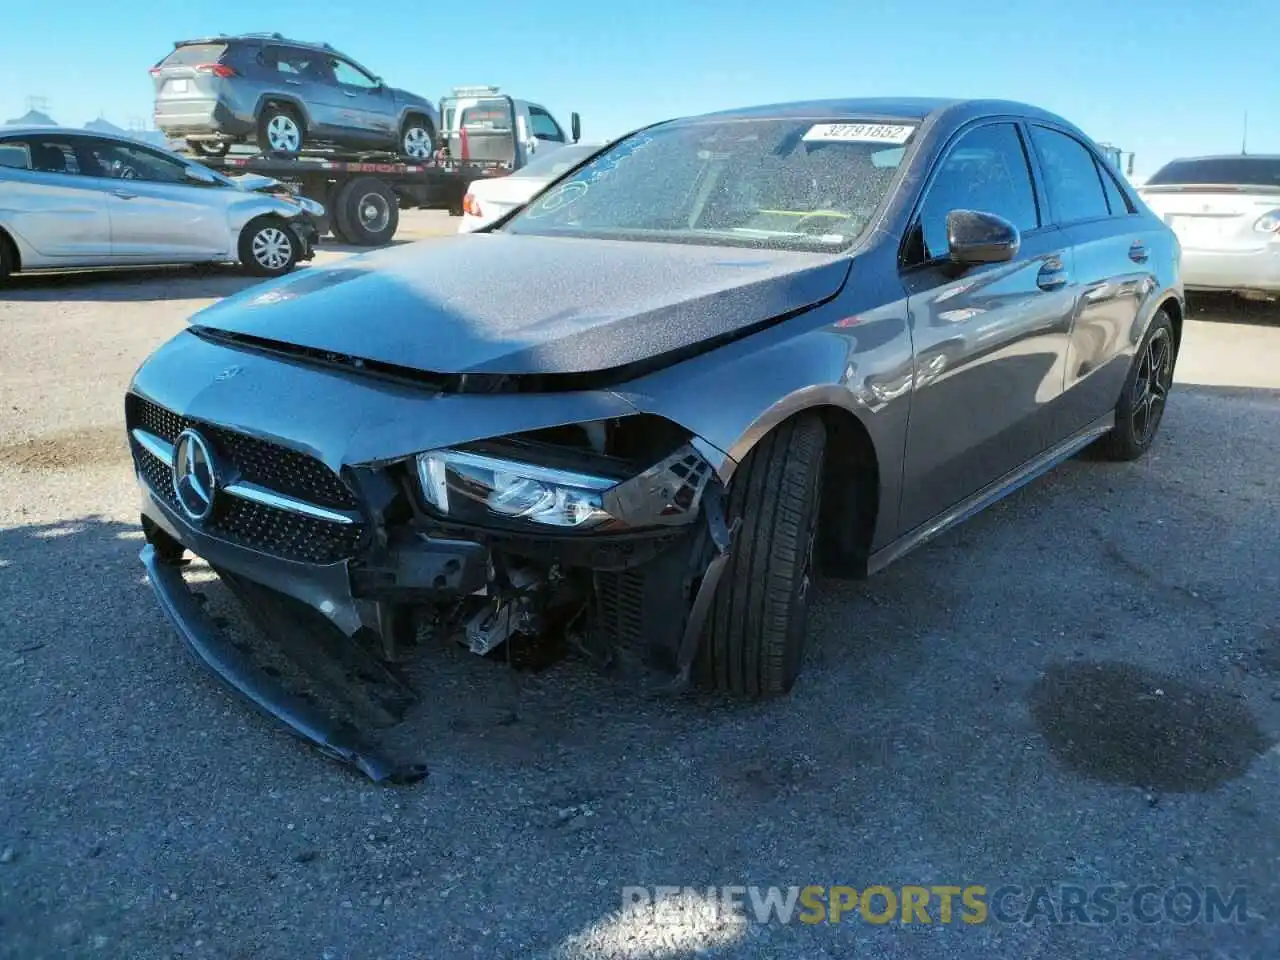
[505,304]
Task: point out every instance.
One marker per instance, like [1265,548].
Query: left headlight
[472,487]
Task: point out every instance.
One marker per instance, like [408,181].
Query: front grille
[257,461]
[283,533]
[272,530]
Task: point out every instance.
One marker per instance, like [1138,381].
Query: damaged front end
[607,536]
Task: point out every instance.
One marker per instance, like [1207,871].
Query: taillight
[1268,222]
[216,69]
[155,71]
[470,205]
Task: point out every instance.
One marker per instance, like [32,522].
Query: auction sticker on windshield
[860,132]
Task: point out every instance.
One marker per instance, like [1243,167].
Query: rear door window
[291,62]
[194,54]
[985,171]
[15,154]
[1116,200]
[1071,175]
[52,155]
[1220,171]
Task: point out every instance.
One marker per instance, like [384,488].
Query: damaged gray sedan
[720,355]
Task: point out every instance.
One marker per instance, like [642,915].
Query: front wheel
[753,643]
[268,247]
[1146,390]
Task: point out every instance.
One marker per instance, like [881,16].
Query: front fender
[733,397]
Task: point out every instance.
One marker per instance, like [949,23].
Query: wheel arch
[1172,305]
[11,247]
[284,100]
[413,110]
[852,488]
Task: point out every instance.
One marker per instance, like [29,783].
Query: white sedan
[1226,214]
[487,200]
[69,198]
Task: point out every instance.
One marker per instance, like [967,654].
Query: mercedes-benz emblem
[195,475]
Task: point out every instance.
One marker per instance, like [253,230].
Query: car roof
[6,132]
[887,108]
[264,38]
[1227,156]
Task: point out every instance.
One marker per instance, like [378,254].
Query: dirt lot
[1079,687]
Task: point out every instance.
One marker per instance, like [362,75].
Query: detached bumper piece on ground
[340,588]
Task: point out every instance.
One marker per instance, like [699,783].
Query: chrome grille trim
[162,450]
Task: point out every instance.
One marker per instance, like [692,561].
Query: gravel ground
[1080,686]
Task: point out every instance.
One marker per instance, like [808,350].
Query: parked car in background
[72,199]
[1225,212]
[725,353]
[491,199]
[284,95]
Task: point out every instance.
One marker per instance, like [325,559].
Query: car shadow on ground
[133,285]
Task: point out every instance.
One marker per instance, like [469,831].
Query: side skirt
[990,494]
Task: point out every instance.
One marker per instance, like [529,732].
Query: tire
[367,212]
[417,139]
[335,231]
[1143,398]
[7,258]
[753,643]
[280,130]
[203,148]
[267,247]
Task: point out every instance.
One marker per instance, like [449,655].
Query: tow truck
[485,133]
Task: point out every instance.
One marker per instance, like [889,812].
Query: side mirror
[575,127]
[201,175]
[975,237]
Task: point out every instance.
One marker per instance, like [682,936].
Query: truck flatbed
[363,193]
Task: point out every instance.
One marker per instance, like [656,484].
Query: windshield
[783,184]
[1220,171]
[550,165]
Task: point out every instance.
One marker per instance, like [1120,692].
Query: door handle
[350,94]
[1052,276]
[1138,252]
[123,194]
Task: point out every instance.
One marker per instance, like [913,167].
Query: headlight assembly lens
[465,485]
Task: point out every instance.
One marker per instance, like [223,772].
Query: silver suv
[285,95]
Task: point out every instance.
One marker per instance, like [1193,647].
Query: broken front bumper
[229,664]
[346,610]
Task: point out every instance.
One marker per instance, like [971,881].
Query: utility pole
[1244,142]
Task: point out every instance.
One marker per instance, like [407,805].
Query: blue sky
[1166,78]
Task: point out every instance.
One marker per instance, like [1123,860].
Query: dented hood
[503,304]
